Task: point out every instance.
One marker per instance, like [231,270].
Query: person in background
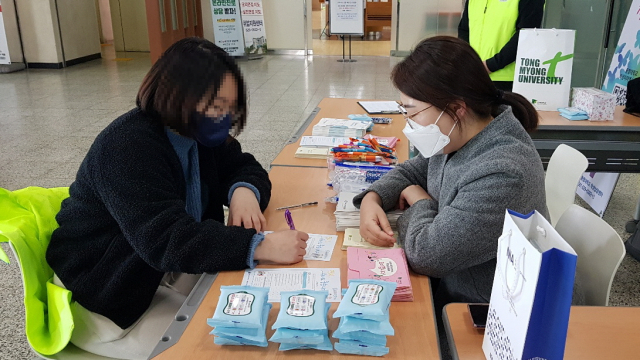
[492,28]
[146,208]
[476,161]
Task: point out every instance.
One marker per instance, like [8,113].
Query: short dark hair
[444,69]
[189,70]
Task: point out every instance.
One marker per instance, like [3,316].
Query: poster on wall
[626,58]
[4,46]
[596,189]
[255,38]
[346,17]
[227,27]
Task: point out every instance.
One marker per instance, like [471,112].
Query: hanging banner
[227,27]
[596,189]
[626,59]
[4,46]
[255,38]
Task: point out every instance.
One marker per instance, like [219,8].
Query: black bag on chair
[633,97]
[633,244]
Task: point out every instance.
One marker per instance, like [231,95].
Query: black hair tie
[499,96]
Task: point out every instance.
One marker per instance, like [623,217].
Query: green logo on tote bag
[532,71]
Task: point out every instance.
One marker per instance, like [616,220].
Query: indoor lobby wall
[40,29]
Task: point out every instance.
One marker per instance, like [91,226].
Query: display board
[227,26]
[4,46]
[255,37]
[625,64]
[346,17]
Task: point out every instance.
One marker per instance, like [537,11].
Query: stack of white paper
[323,141]
[348,216]
[312,153]
[340,128]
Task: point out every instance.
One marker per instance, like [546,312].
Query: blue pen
[287,216]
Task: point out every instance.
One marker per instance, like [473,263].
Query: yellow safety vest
[491,24]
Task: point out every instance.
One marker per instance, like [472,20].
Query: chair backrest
[600,251]
[564,171]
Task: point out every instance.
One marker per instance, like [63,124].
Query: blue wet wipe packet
[361,117]
[355,347]
[350,324]
[296,336]
[240,306]
[243,336]
[361,336]
[325,345]
[225,340]
[575,117]
[302,310]
[572,111]
[365,298]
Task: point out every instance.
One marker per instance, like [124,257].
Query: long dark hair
[189,70]
[444,69]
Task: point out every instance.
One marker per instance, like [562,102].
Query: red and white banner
[4,47]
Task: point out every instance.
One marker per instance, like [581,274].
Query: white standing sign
[596,189]
[4,46]
[255,38]
[625,64]
[346,17]
[227,27]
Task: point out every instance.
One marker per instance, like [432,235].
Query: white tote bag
[543,67]
[532,291]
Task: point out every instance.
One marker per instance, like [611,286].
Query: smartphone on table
[479,314]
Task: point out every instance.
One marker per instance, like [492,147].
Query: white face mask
[429,140]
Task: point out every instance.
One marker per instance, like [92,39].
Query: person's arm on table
[463,234]
[384,195]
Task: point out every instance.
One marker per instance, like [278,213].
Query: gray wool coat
[454,236]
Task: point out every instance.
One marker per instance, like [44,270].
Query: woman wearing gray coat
[476,160]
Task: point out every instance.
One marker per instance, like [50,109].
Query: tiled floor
[49,118]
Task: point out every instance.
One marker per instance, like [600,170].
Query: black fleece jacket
[125,224]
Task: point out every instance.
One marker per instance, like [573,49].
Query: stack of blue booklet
[573,113]
[241,316]
[364,318]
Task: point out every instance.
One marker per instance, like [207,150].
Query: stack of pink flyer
[388,265]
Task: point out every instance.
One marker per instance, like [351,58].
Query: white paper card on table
[323,141]
[380,107]
[312,153]
[352,238]
[292,279]
[319,246]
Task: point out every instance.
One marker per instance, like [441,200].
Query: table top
[341,108]
[595,332]
[621,120]
[414,322]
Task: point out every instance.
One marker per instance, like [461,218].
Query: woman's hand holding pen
[244,210]
[282,247]
[374,225]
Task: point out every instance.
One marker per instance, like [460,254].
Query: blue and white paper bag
[532,291]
